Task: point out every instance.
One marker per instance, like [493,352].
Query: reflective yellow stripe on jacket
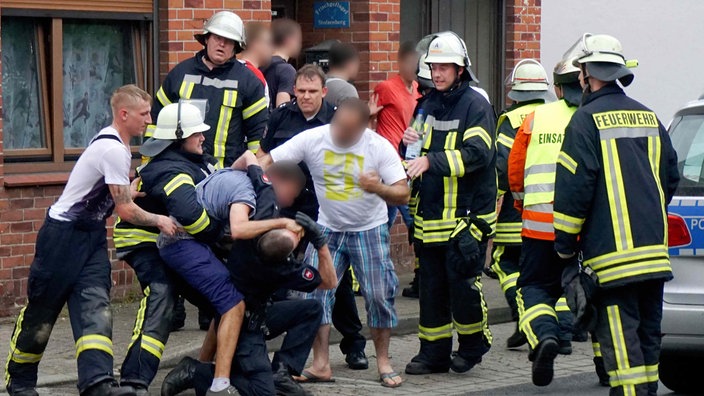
[229,102]
[127,237]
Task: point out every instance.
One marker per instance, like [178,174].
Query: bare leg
[381,338]
[321,355]
[210,343]
[228,334]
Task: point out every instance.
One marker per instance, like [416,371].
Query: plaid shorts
[368,252]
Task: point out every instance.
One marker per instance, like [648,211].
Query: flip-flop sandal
[311,378]
[389,376]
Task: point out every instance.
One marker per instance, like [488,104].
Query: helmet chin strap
[206,57]
[179,130]
[456,84]
[585,77]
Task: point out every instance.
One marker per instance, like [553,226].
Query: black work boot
[581,336]
[461,364]
[357,360]
[488,271]
[544,361]
[285,385]
[601,371]
[412,290]
[204,320]
[109,388]
[517,339]
[22,391]
[180,378]
[565,347]
[178,320]
[139,389]
[417,367]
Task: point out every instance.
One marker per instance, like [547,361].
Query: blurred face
[286,191]
[295,43]
[136,118]
[346,128]
[445,75]
[194,143]
[407,67]
[352,68]
[262,49]
[309,95]
[220,49]
[558,91]
[582,80]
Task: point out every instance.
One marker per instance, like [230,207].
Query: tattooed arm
[129,211]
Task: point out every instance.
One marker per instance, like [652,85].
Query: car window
[687,134]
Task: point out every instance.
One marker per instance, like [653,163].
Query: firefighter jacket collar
[201,66]
[517,105]
[173,153]
[449,98]
[609,89]
[324,115]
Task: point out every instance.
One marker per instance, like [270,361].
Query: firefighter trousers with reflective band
[505,260]
[628,330]
[71,265]
[153,323]
[542,308]
[450,300]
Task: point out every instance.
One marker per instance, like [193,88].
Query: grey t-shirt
[223,188]
[339,90]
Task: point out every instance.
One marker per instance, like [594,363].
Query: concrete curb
[406,325]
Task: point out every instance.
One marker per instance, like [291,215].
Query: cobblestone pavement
[58,364]
[500,368]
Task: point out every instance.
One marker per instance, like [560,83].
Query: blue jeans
[405,215]
[198,266]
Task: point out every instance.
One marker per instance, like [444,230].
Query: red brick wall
[6,290]
[522,32]
[374,30]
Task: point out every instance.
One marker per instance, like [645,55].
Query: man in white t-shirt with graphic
[71,263]
[356,174]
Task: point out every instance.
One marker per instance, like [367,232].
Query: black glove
[463,251]
[580,286]
[313,232]
[574,292]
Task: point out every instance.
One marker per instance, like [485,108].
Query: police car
[683,307]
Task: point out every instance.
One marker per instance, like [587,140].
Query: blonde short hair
[128,96]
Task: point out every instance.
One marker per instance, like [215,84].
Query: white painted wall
[667,38]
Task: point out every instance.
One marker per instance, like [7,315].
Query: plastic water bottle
[413,149]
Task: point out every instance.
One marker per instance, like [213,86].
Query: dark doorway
[283,9]
[479,22]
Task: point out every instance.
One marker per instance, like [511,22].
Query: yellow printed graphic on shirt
[340,173]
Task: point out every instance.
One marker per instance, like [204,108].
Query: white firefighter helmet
[225,24]
[425,79]
[448,47]
[603,57]
[528,81]
[176,121]
[565,70]
[566,75]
